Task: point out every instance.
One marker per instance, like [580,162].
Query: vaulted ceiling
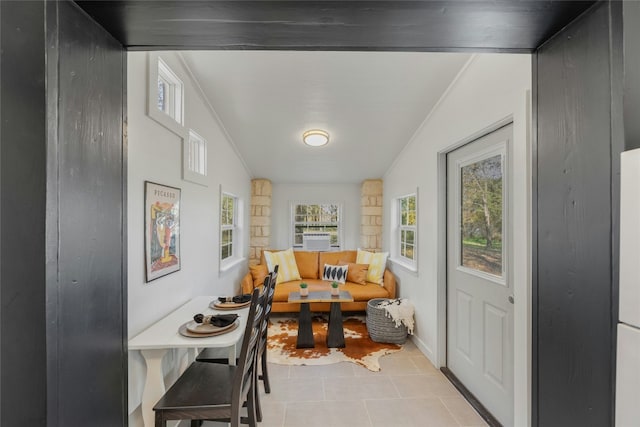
[371,103]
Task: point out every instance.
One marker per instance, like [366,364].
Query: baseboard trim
[482,411]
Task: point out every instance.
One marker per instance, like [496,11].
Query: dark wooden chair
[212,391]
[261,354]
[208,356]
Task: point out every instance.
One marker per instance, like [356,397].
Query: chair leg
[256,395]
[251,407]
[265,373]
[160,421]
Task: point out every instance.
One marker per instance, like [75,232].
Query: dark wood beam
[334,25]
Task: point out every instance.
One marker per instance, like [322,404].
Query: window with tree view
[408,227]
[482,211]
[227,225]
[316,218]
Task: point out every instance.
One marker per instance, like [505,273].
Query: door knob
[510,299]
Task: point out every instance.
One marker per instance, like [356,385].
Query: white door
[479,289]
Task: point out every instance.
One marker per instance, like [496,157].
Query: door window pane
[481,221]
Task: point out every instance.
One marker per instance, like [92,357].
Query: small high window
[194,159]
[170,92]
[166,94]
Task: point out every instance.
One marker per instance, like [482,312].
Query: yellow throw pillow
[288,269]
[377,264]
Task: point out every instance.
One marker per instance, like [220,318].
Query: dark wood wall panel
[90,314]
[62,182]
[22,213]
[576,188]
[632,73]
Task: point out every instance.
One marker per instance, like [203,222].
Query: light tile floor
[408,391]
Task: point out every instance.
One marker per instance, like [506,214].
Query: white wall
[154,154]
[491,88]
[347,194]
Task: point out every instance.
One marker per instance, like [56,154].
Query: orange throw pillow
[258,273]
[357,273]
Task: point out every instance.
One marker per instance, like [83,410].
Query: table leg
[187,359]
[335,334]
[154,384]
[305,331]
[232,355]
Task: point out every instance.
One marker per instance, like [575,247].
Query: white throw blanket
[400,310]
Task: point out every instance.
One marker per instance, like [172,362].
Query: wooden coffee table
[335,334]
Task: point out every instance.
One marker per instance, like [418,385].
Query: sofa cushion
[283,289]
[358,292]
[357,273]
[334,258]
[337,273]
[288,269]
[307,262]
[258,273]
[365,292]
[377,264]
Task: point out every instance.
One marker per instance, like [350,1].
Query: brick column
[260,219]
[371,214]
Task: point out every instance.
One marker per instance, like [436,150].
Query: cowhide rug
[360,349]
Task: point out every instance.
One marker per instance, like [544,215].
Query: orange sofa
[310,265]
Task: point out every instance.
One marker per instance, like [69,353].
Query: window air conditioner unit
[316,241]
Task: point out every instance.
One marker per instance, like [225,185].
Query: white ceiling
[371,103]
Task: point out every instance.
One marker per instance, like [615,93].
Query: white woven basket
[382,328]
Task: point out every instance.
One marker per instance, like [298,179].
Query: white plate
[200,328]
[229,305]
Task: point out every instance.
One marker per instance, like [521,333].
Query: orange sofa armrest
[247,284]
[389,283]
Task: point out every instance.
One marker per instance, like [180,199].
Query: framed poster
[162,230]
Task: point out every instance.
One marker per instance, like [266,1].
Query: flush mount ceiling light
[315,137]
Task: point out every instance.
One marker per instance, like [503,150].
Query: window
[170,92]
[165,94]
[314,217]
[194,159]
[404,234]
[408,230]
[228,226]
[231,231]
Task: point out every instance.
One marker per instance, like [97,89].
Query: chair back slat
[246,362]
[270,289]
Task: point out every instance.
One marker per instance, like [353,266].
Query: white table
[154,342]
